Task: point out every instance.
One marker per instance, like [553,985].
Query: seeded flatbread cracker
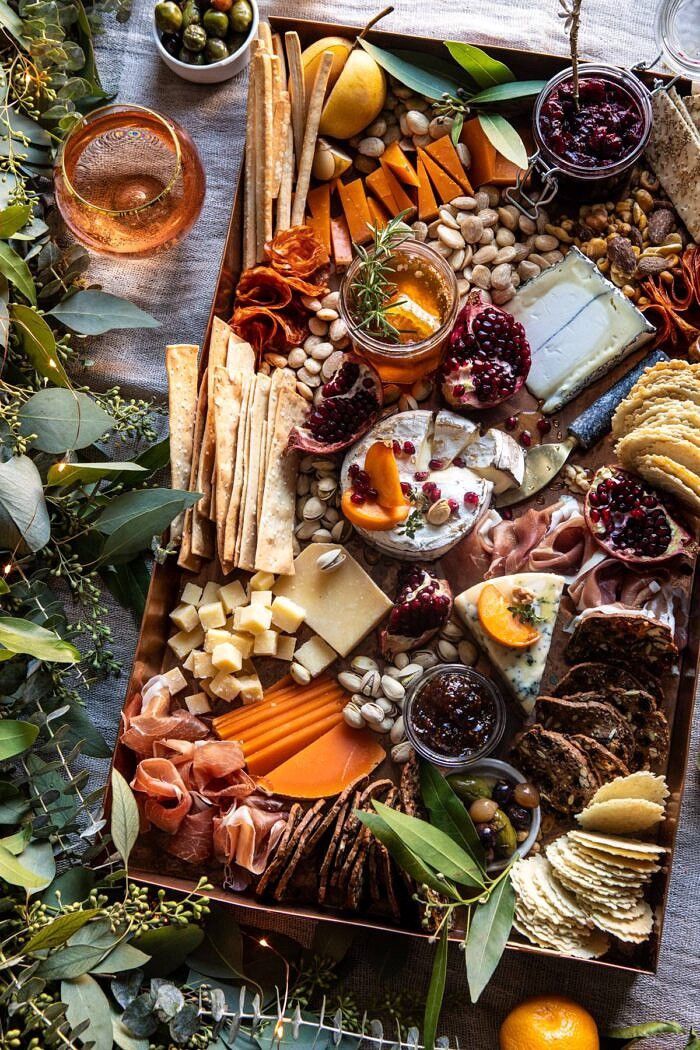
[332,850]
[331,815]
[673,151]
[603,763]
[234,507]
[591,718]
[637,785]
[275,866]
[187,559]
[296,847]
[228,392]
[600,677]
[563,775]
[633,639]
[249,530]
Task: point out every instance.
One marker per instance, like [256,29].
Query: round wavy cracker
[642,784]
[600,870]
[621,816]
[567,864]
[652,473]
[528,887]
[618,846]
[635,929]
[656,440]
[662,402]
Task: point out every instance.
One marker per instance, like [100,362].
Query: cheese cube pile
[220,629]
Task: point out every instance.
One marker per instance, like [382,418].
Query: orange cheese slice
[427,205]
[341,243]
[356,210]
[379,216]
[378,185]
[293,744]
[328,765]
[403,201]
[396,160]
[319,201]
[445,186]
[268,733]
[487,166]
[443,152]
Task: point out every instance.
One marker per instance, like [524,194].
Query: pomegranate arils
[511,422]
[421,475]
[435,464]
[409,448]
[396,445]
[525,439]
[350,404]
[544,426]
[422,608]
[471,498]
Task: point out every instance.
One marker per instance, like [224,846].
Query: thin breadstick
[181,368]
[265,36]
[276,78]
[278,48]
[265,226]
[249,230]
[297,90]
[259,59]
[284,199]
[281,123]
[313,118]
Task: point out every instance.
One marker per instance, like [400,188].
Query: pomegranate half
[421,609]
[350,403]
[487,359]
[631,522]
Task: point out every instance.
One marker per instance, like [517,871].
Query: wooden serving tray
[152,655]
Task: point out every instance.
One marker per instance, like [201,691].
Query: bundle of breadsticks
[228,439]
[281,132]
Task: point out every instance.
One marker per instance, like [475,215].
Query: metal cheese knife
[543,462]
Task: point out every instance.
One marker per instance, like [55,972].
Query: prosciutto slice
[155,696]
[193,843]
[246,835]
[144,731]
[566,548]
[162,793]
[514,540]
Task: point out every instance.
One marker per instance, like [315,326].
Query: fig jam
[607,125]
[454,713]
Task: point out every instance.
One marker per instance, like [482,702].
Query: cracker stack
[626,805]
[674,153]
[657,428]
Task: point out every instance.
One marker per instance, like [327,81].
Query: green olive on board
[469,788]
[506,839]
[191,14]
[241,15]
[168,16]
[216,50]
[194,38]
[215,23]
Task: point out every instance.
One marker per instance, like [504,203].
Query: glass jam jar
[586,151]
[424,290]
[678,36]
[454,716]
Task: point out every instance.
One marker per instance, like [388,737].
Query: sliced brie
[520,669]
[451,435]
[498,458]
[417,538]
[578,324]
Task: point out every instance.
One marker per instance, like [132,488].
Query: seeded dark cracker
[598,720]
[651,742]
[305,828]
[330,816]
[604,764]
[332,850]
[356,834]
[558,768]
[599,677]
[409,788]
[277,863]
[636,641]
[354,874]
[635,705]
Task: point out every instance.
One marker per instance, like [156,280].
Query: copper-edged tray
[151,652]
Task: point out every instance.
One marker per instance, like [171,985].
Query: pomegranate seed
[511,422]
[396,445]
[594,515]
[409,448]
[544,426]
[406,488]
[435,464]
[371,494]
[507,514]
[471,498]
[453,505]
[525,439]
[353,470]
[459,462]
[364,477]
[357,498]
[421,475]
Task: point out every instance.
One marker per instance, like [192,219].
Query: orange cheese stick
[395,158]
[268,736]
[242,717]
[427,204]
[443,153]
[269,757]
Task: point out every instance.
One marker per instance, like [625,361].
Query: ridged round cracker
[664,401]
[621,816]
[656,440]
[618,846]
[666,475]
[637,785]
[634,930]
[601,869]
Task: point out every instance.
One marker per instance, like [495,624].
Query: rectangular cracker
[240,356]
[188,559]
[674,154]
[275,551]
[231,531]
[181,369]
[227,411]
[249,531]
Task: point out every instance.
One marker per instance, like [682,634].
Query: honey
[416,317]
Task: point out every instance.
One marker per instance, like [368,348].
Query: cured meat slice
[144,730]
[560,770]
[162,793]
[263,286]
[598,720]
[193,842]
[248,833]
[297,252]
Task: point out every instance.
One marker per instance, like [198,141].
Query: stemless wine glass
[129,181]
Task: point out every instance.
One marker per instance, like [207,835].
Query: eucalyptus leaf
[24,517]
[124,817]
[436,849]
[184,1024]
[15,269]
[630,1034]
[13,804]
[16,737]
[406,860]
[432,84]
[4,313]
[168,947]
[436,990]
[13,218]
[123,1038]
[13,871]
[504,137]
[139,1018]
[93,312]
[63,420]
[481,67]
[17,843]
[32,231]
[125,989]
[22,636]
[72,886]
[508,92]
[39,859]
[39,344]
[26,127]
[14,25]
[129,584]
[69,962]
[155,457]
[65,474]
[86,1002]
[448,812]
[130,521]
[122,958]
[489,929]
[59,930]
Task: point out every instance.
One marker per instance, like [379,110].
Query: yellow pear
[329,161]
[356,99]
[339,47]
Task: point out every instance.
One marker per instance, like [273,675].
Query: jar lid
[677,33]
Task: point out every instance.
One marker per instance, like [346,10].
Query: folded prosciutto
[161,793]
[246,835]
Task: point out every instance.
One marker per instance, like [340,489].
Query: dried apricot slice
[500,623]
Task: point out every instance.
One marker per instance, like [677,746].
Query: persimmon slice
[381,465]
[372,516]
[500,623]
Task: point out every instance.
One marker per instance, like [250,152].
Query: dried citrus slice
[504,626]
[411,320]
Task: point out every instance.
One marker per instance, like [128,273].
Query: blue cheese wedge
[520,669]
[578,324]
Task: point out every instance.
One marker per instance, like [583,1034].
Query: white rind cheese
[520,669]
[578,324]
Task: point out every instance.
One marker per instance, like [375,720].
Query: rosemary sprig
[372,287]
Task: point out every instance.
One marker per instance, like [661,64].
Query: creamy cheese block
[578,324]
[520,669]
[437,438]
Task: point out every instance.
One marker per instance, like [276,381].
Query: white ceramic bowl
[217,71]
[495,767]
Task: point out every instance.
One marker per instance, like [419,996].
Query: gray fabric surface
[177,288]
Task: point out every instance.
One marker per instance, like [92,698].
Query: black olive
[502,792]
[487,835]
[519,817]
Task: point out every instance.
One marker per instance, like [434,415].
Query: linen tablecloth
[177,288]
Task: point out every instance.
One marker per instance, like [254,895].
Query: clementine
[549,1022]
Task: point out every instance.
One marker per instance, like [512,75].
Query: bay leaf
[59,930]
[122,958]
[69,962]
[16,737]
[168,947]
[94,312]
[23,636]
[432,84]
[404,857]
[433,847]
[508,92]
[39,344]
[481,67]
[628,1035]
[504,137]
[63,420]
[124,817]
[65,474]
[85,1001]
[24,517]
[15,269]
[489,930]
[448,812]
[436,990]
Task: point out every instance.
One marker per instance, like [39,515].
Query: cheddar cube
[225,686]
[209,594]
[287,615]
[286,644]
[263,598]
[232,595]
[191,594]
[198,703]
[315,655]
[252,618]
[265,643]
[212,615]
[261,581]
[226,657]
[250,688]
[184,642]
[185,617]
[175,680]
[204,666]
[215,637]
